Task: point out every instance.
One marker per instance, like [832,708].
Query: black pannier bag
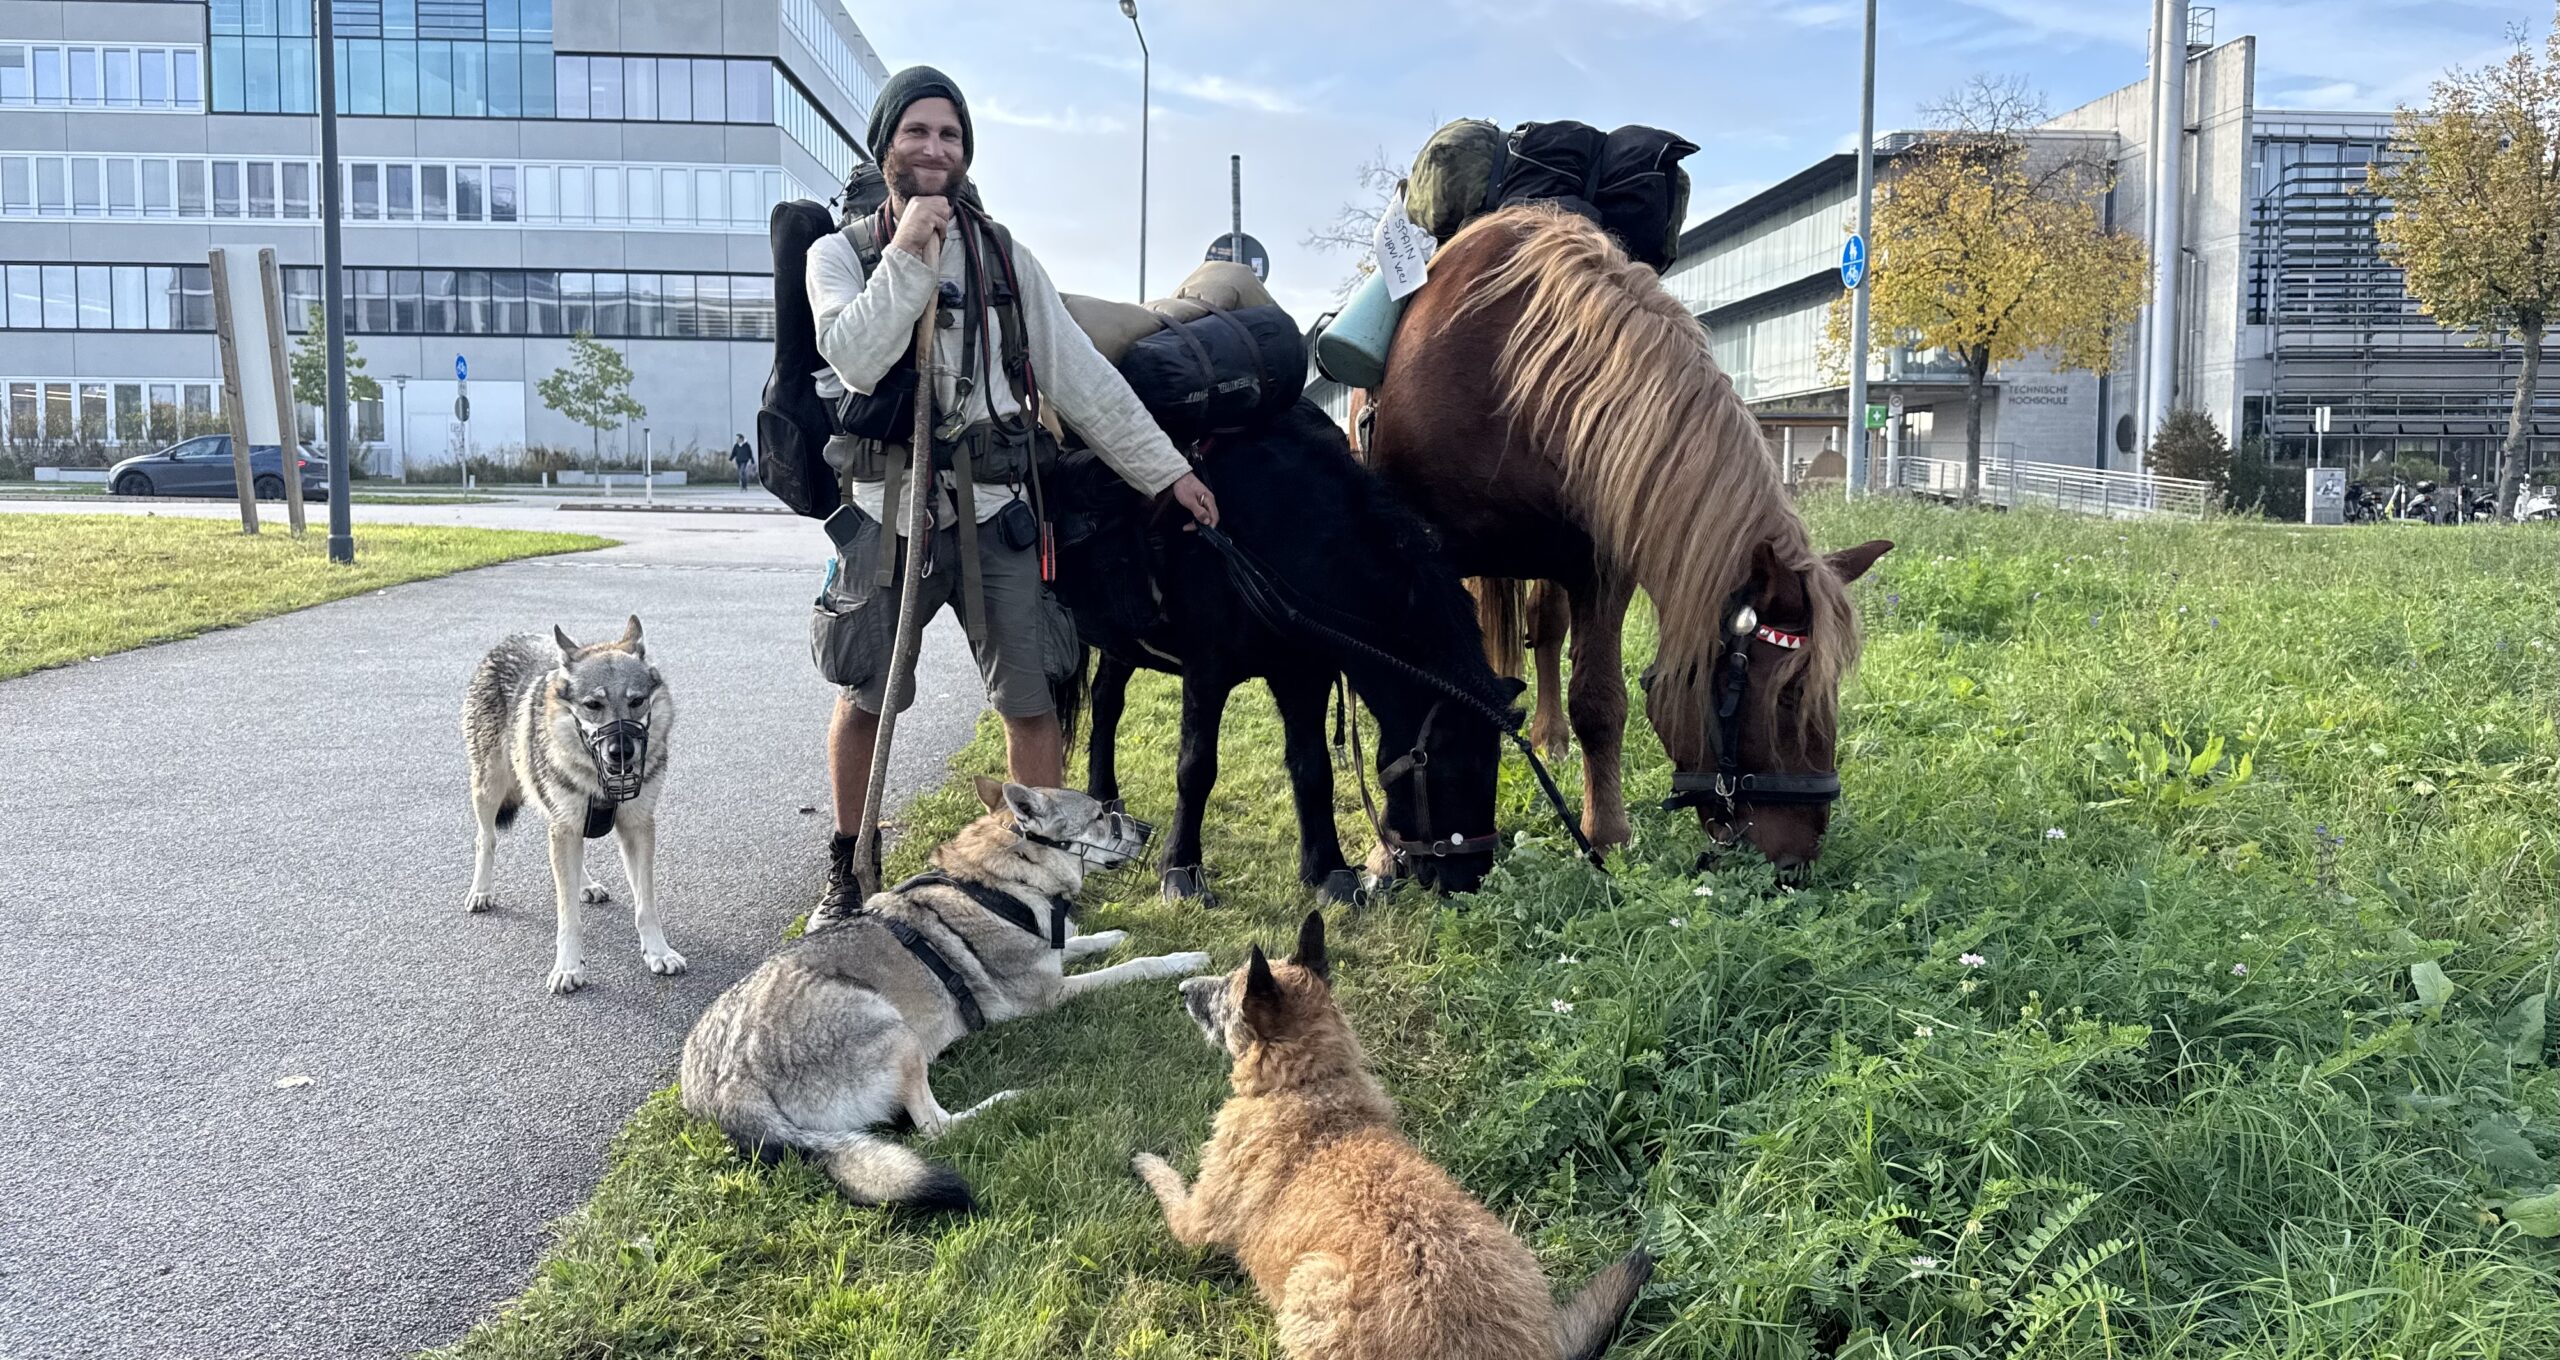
[793,423]
[1628,181]
[1222,374]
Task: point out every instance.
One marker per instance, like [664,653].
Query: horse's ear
[1851,563]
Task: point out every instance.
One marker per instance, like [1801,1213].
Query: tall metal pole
[342,538]
[1146,98]
[1856,445]
[1235,201]
[2168,209]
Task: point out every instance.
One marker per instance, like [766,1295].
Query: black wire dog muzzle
[1122,840]
[621,751]
[1723,791]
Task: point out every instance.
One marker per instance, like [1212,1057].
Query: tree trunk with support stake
[2511,455]
[902,655]
[1977,367]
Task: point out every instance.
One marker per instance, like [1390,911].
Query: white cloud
[1070,120]
[1235,94]
[2341,94]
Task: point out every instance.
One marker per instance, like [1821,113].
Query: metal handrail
[2061,486]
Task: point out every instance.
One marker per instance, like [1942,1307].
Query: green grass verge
[77,586]
[2174,984]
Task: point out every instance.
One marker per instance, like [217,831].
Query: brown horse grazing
[1555,412]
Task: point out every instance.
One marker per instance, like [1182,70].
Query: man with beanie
[868,286]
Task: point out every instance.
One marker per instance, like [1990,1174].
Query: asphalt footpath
[265,1088]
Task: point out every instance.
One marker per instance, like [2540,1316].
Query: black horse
[1335,545]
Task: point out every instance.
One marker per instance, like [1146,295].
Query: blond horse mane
[1662,464]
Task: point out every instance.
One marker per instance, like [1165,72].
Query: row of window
[48,412]
[662,90]
[99,297]
[47,76]
[541,302]
[502,20]
[813,130]
[859,74]
[530,302]
[440,78]
[688,196]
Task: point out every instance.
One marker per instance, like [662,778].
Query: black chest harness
[998,903]
[1724,791]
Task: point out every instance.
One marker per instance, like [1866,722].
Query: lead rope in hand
[1264,598]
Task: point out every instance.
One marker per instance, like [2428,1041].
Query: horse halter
[1416,763]
[1724,791]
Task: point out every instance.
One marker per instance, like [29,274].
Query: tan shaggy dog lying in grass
[1364,1249]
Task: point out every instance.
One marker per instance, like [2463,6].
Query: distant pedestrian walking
[744,457]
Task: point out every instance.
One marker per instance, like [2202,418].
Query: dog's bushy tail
[875,1170]
[1590,1322]
[868,1168]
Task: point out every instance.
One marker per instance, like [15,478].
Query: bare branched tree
[1999,107]
[1353,225]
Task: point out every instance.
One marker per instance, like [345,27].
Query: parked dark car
[202,467]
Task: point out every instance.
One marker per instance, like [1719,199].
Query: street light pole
[342,539]
[400,381]
[1857,442]
[1146,97]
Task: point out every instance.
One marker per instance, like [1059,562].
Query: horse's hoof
[1342,885]
[1188,884]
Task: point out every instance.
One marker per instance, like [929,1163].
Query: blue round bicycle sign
[1853,261]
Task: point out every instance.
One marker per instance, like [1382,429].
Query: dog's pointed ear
[1261,990]
[1028,804]
[1310,955]
[568,649]
[630,640]
[991,793]
[1851,563]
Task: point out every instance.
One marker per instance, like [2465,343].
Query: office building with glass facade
[2285,304]
[514,172]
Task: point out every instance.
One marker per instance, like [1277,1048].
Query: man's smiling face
[927,154]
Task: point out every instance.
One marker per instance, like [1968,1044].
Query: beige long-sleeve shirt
[865,326]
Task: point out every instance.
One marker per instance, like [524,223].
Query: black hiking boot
[843,894]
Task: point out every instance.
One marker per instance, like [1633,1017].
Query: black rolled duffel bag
[1222,374]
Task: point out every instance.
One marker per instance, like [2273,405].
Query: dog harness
[998,903]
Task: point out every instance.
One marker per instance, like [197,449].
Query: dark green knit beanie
[904,89]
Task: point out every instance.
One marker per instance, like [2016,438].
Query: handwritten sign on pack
[1403,249]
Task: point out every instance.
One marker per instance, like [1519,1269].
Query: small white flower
[1679,923]
[1971,960]
[1560,1006]
[2055,833]
[1703,890]
[1923,1032]
[2239,970]
[1924,1263]
[1567,958]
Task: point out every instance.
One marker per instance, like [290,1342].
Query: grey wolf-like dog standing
[834,1034]
[582,734]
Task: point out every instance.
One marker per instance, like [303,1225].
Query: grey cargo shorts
[855,625]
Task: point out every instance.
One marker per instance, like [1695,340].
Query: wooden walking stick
[902,655]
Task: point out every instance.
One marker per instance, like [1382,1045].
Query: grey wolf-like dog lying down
[582,734]
[833,1035]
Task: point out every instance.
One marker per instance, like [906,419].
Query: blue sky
[1306,90]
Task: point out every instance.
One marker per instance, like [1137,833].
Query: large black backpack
[792,425]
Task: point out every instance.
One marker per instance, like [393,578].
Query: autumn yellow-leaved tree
[2475,214]
[1990,247]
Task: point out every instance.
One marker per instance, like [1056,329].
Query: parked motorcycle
[2543,504]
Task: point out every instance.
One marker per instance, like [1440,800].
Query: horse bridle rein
[1724,791]
[1412,764]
